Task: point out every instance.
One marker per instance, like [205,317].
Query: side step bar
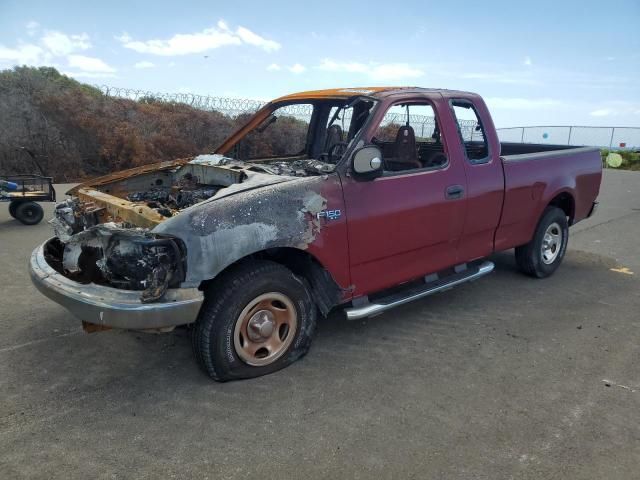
[384,304]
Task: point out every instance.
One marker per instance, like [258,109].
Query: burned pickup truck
[370,198]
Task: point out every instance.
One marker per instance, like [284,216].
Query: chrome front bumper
[112,307]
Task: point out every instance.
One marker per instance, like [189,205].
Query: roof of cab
[350,92]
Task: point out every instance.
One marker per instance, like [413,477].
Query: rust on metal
[265,329]
[92,327]
[121,210]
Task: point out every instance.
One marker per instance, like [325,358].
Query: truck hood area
[105,231]
[146,196]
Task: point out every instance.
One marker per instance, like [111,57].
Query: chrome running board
[415,293]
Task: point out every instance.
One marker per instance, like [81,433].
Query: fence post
[569,139]
[522,136]
[613,129]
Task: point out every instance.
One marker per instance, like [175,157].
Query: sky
[535,63]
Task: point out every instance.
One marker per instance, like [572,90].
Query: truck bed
[536,174]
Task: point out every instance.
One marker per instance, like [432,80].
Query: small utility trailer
[22,192]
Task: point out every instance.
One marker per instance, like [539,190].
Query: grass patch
[630,160]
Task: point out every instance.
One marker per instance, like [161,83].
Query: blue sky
[536,63]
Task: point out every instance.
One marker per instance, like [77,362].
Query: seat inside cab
[409,138]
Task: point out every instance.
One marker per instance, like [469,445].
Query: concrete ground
[508,377]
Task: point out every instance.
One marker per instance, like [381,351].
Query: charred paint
[223,230]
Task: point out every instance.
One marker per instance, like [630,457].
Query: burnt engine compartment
[202,178]
[130,259]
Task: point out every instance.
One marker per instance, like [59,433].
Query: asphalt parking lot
[507,377]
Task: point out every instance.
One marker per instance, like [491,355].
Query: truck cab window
[283,134]
[471,131]
[409,138]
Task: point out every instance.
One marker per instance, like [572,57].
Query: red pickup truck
[358,198]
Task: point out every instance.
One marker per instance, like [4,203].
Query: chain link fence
[613,138]
[606,137]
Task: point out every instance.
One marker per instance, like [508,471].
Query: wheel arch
[324,290]
[565,201]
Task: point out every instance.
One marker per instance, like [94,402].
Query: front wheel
[256,319]
[544,253]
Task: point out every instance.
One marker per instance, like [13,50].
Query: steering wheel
[337,150]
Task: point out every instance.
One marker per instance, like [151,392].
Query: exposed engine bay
[104,233]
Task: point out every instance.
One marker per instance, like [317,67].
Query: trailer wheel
[29,213]
[255,320]
[544,253]
[13,205]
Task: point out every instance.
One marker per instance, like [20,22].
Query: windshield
[298,133]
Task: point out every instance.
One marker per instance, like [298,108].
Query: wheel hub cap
[261,325]
[551,243]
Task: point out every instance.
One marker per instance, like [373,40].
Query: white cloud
[522,103]
[274,67]
[297,68]
[144,64]
[250,38]
[89,64]
[375,71]
[527,61]
[198,42]
[32,27]
[25,54]
[602,112]
[60,44]
[615,109]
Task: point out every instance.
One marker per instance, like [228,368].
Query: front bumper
[593,209]
[113,307]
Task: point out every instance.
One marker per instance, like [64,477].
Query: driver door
[405,223]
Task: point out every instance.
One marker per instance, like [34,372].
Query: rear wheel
[29,213]
[256,319]
[544,253]
[13,206]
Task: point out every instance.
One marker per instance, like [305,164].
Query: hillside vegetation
[76,132]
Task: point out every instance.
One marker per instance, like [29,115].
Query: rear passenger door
[478,151]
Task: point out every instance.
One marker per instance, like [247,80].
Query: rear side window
[471,131]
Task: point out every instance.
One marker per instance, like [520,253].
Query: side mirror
[367,161]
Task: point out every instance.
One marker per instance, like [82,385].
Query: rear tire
[13,205]
[256,319]
[543,254]
[29,213]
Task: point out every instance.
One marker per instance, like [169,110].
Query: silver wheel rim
[551,243]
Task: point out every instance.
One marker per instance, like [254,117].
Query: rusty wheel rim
[265,329]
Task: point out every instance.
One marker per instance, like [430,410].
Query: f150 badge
[329,214]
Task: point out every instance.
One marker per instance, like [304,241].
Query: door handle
[454,191]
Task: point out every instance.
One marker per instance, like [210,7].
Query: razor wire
[232,107]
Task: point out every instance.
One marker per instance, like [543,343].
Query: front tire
[544,253]
[256,319]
